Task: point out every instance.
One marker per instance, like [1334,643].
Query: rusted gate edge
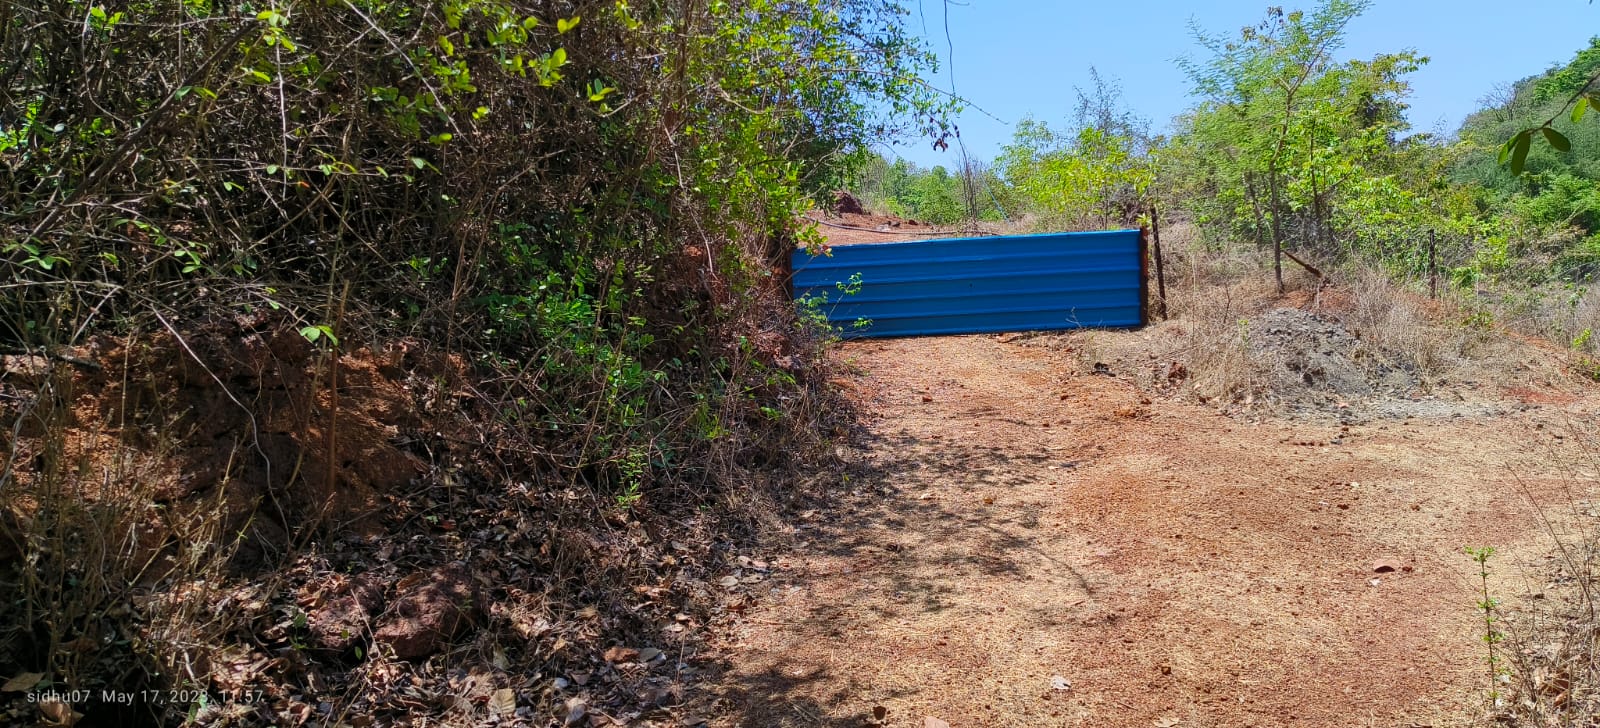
[1144,276]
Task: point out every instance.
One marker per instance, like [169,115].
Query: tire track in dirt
[1012,522]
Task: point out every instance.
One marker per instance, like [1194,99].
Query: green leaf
[1579,108]
[314,333]
[1505,149]
[1556,139]
[1519,150]
[419,162]
[272,169]
[558,58]
[563,26]
[598,91]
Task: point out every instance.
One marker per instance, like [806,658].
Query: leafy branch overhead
[1515,151]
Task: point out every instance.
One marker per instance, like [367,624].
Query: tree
[1288,145]
[1093,177]
[1260,79]
[1090,179]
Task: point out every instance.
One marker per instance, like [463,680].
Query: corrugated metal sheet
[975,285]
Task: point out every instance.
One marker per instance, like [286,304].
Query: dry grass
[120,582]
[1213,325]
[1566,315]
[1549,673]
[1216,298]
[1569,318]
[1211,297]
[1406,324]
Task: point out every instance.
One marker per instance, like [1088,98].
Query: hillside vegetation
[355,347]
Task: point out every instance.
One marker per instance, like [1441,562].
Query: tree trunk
[1277,225]
[1255,206]
[1317,216]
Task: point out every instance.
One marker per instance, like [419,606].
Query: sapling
[1488,605]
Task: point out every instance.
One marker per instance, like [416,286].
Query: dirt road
[1024,545]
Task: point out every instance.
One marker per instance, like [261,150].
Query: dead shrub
[1404,324]
[1233,341]
[116,582]
[1215,333]
[1551,634]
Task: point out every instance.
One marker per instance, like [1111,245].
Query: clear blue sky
[1020,57]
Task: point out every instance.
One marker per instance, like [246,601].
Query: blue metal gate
[975,285]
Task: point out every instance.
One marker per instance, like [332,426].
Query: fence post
[1161,273]
[1433,265]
